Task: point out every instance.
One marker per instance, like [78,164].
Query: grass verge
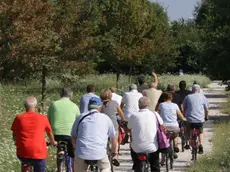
[219,159]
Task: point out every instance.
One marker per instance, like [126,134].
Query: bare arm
[206,114]
[120,113]
[155,79]
[180,115]
[114,142]
[51,138]
[74,141]
[122,105]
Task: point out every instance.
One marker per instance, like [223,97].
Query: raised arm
[155,79]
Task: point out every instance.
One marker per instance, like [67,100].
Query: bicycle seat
[142,156]
[170,133]
[63,143]
[91,162]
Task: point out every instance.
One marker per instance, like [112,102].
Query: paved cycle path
[216,96]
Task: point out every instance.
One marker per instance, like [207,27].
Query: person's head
[66,92]
[132,87]
[30,103]
[94,103]
[90,88]
[106,95]
[144,103]
[195,88]
[171,88]
[195,82]
[141,79]
[113,89]
[182,85]
[167,96]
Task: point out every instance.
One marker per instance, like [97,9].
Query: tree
[213,19]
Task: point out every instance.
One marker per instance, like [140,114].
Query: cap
[94,103]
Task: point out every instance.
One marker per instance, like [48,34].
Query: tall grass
[12,97]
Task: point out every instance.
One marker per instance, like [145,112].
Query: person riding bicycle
[196,111]
[169,112]
[142,82]
[84,100]
[143,126]
[29,135]
[111,108]
[90,134]
[62,114]
[153,94]
[183,92]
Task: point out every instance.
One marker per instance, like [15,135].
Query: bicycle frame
[62,157]
[182,135]
[195,143]
[169,155]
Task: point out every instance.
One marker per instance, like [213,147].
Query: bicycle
[170,154]
[64,162]
[195,143]
[91,166]
[182,135]
[144,164]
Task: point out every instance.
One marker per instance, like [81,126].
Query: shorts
[67,139]
[198,126]
[38,164]
[173,129]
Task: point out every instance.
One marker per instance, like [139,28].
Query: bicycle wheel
[143,166]
[182,142]
[62,165]
[167,161]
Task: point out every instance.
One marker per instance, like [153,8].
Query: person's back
[90,134]
[143,125]
[130,100]
[153,94]
[30,130]
[183,92]
[168,112]
[62,114]
[194,105]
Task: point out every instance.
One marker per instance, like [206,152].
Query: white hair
[30,102]
[196,88]
[144,102]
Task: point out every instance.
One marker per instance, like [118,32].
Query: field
[13,95]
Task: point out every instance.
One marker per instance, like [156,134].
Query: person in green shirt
[62,114]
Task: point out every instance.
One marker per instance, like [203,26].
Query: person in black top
[183,92]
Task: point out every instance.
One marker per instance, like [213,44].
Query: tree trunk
[117,79]
[130,74]
[44,75]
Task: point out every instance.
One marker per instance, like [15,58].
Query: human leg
[79,165]
[104,164]
[154,161]
[134,158]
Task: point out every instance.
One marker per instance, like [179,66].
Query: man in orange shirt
[29,135]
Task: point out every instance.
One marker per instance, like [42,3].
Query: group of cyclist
[87,131]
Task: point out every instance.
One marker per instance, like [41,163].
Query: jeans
[38,164]
[153,159]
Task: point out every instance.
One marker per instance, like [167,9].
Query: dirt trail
[216,96]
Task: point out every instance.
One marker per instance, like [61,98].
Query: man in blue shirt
[90,134]
[196,111]
[84,101]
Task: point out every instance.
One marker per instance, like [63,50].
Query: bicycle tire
[182,142]
[167,162]
[62,165]
[143,166]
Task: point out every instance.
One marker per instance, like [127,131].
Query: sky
[178,9]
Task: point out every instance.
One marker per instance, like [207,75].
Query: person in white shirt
[116,97]
[130,101]
[143,126]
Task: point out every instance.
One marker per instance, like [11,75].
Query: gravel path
[216,96]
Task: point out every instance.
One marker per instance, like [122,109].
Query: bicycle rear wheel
[144,166]
[167,161]
[182,142]
[62,165]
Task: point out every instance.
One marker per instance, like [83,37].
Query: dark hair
[167,96]
[90,88]
[182,84]
[141,79]
[170,87]
[66,92]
